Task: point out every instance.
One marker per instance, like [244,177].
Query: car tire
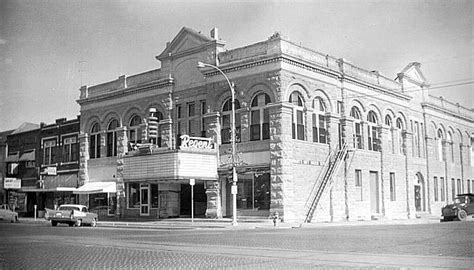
[94,222]
[78,223]
[462,215]
[54,223]
[71,224]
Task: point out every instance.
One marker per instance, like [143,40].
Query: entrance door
[144,200]
[374,193]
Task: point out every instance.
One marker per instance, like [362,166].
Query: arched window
[226,133]
[399,135]
[372,135]
[298,116]
[112,138]
[391,141]
[439,143]
[134,133]
[319,121]
[355,113]
[260,118]
[94,141]
[450,145]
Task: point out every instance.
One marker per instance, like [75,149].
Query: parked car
[461,208]
[72,214]
[6,213]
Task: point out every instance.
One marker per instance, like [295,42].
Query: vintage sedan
[461,208]
[72,214]
[6,213]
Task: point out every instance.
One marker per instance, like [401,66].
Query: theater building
[318,138]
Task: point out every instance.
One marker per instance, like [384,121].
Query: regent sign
[196,142]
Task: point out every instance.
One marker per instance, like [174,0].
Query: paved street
[40,246]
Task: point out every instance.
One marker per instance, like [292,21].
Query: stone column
[168,139]
[347,130]
[122,149]
[83,158]
[214,205]
[281,163]
[385,146]
[212,125]
[332,127]
[408,150]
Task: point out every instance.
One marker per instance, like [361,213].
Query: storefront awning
[28,156]
[96,187]
[57,189]
[13,158]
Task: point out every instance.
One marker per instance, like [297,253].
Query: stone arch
[260,88]
[377,111]
[325,98]
[404,120]
[90,121]
[357,103]
[300,88]
[108,117]
[129,113]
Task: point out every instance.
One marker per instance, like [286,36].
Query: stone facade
[399,138]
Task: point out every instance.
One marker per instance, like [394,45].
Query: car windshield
[459,199]
[68,208]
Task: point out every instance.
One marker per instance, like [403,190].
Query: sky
[49,48]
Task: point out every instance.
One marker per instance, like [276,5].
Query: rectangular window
[358,136]
[468,186]
[459,187]
[70,149]
[339,107]
[154,195]
[358,182]
[255,125]
[49,151]
[322,128]
[443,189]
[392,187]
[191,107]
[266,125]
[203,107]
[453,188]
[133,195]
[12,168]
[30,164]
[178,111]
[299,125]
[435,183]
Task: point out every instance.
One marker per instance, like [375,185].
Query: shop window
[226,132]
[70,149]
[254,193]
[298,116]
[112,138]
[260,118]
[154,195]
[133,195]
[94,141]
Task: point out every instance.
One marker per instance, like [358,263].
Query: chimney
[60,121]
[215,33]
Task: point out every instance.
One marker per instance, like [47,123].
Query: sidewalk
[226,223]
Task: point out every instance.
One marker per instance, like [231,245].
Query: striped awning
[13,157]
[28,156]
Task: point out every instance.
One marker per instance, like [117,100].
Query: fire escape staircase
[325,180]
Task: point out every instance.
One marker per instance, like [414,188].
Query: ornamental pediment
[186,40]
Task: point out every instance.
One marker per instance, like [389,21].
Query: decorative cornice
[128,91]
[443,110]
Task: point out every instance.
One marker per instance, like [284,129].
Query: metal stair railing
[330,168]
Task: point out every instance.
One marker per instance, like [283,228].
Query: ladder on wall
[325,180]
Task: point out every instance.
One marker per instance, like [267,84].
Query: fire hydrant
[275,218]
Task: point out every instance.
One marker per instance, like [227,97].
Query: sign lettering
[196,142]
[12,183]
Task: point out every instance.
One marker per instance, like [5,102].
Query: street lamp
[232,140]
